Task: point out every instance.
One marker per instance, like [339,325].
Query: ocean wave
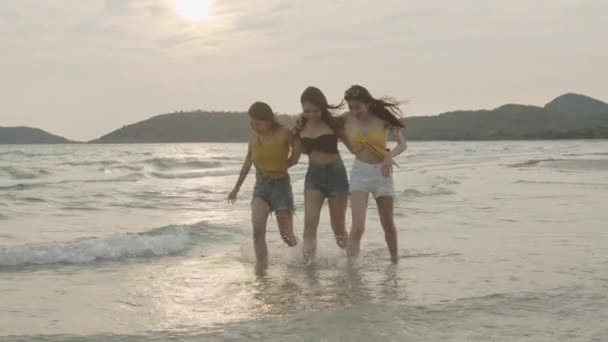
[3,217]
[132,177]
[433,191]
[23,186]
[191,175]
[108,162]
[135,153]
[530,163]
[525,181]
[24,154]
[108,166]
[585,154]
[567,164]
[80,208]
[19,174]
[115,168]
[181,163]
[166,241]
[226,158]
[32,199]
[579,164]
[380,254]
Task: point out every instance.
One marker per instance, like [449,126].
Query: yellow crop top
[374,141]
[270,158]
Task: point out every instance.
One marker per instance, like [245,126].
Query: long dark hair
[316,97]
[262,111]
[386,109]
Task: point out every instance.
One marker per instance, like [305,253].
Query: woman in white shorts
[367,125]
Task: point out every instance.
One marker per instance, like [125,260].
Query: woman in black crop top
[326,178]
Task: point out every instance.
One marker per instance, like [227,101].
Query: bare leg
[259,219]
[358,200]
[313,201]
[385,211]
[337,214]
[285,223]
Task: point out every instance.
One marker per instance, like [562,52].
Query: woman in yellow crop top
[272,150]
[368,125]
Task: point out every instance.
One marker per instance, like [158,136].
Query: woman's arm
[342,134]
[299,126]
[296,148]
[242,176]
[345,140]
[387,164]
[400,139]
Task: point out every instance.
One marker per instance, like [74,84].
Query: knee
[310,234]
[310,224]
[337,224]
[387,222]
[358,224]
[259,235]
[389,228]
[357,231]
[310,227]
[392,232]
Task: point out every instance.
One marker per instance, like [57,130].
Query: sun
[195,10]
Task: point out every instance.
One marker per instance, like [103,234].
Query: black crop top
[327,143]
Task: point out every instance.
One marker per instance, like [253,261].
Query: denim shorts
[276,193]
[331,179]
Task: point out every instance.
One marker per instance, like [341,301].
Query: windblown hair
[262,111]
[386,109]
[316,97]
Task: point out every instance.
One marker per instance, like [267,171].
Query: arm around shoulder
[296,147]
[400,139]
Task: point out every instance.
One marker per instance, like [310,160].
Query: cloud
[124,60]
[10,17]
[119,6]
[137,7]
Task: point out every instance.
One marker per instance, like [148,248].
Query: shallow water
[499,241]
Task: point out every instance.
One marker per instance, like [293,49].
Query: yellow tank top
[374,141]
[270,158]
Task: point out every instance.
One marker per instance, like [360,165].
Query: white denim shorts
[369,178]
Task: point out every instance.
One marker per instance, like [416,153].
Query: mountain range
[570,116]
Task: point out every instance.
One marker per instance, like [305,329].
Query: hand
[387,166]
[232,196]
[299,126]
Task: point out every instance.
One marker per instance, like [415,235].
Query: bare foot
[342,240]
[309,250]
[260,268]
[352,262]
[290,239]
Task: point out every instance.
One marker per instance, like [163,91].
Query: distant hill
[510,122]
[567,117]
[577,104]
[27,135]
[184,127]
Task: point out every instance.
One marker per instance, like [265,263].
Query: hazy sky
[83,68]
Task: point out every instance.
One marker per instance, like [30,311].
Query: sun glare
[195,10]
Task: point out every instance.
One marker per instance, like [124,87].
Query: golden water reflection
[210,293]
